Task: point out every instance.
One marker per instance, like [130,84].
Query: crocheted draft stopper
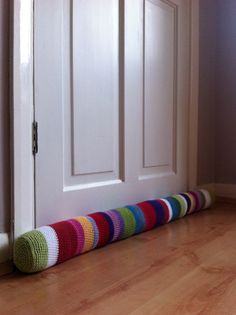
[50,245]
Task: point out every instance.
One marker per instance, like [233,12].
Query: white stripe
[52,242]
[207,198]
[170,209]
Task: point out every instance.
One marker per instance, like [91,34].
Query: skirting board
[225,190]
[222,191]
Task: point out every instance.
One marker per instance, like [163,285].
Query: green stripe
[129,221]
[182,205]
[31,252]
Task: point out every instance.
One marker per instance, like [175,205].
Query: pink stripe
[80,235]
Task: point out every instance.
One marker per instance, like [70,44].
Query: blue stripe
[95,229]
[160,212]
[111,226]
[176,209]
[139,218]
[186,197]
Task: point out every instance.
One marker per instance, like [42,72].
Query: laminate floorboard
[185,267]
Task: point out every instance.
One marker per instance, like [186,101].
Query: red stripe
[67,238]
[103,228]
[149,214]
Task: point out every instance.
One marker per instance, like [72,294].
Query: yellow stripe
[88,233]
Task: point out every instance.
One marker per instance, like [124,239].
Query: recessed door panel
[95,103]
[160,86]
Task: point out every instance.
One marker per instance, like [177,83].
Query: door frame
[22,117]
[23,112]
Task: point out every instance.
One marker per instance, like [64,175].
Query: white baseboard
[221,190]
[209,186]
[5,247]
[225,190]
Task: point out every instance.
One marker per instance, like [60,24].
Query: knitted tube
[175,206]
[103,228]
[31,252]
[52,244]
[208,198]
[167,210]
[139,218]
[80,235]
[95,231]
[149,214]
[160,212]
[88,233]
[110,224]
[67,239]
[183,204]
[49,245]
[191,202]
[129,222]
[118,224]
[201,199]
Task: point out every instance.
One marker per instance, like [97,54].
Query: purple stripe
[80,235]
[117,222]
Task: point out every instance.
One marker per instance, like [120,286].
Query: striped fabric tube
[95,231]
[139,218]
[118,224]
[161,217]
[129,222]
[88,233]
[149,214]
[50,245]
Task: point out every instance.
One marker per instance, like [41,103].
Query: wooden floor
[186,267]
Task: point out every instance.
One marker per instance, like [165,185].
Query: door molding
[23,111]
[22,117]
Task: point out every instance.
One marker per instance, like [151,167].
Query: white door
[111,102]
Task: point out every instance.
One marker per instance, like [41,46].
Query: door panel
[95,84]
[160,87]
[111,101]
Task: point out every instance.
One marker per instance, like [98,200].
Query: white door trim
[22,117]
[23,112]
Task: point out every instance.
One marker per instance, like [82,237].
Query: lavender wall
[217,92]
[4,117]
[207,97]
[225,127]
